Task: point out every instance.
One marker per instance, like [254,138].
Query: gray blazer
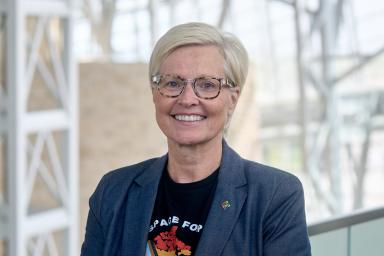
[266,214]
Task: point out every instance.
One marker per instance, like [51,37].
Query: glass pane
[367,238]
[333,243]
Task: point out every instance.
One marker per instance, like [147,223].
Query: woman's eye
[172,84]
[207,85]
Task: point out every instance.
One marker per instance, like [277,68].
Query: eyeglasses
[205,87]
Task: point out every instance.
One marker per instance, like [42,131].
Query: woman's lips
[189,118]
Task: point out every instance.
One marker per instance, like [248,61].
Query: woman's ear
[234,97]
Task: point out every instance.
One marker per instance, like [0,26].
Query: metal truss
[38,124]
[319,25]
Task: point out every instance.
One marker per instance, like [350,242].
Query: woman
[201,198]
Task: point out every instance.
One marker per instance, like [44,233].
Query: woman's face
[187,119]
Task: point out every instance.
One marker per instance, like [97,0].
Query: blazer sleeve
[285,229]
[94,240]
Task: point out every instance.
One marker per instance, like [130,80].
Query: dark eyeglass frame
[224,82]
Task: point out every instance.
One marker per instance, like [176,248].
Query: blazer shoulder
[115,184]
[268,175]
[119,179]
[127,173]
[273,187]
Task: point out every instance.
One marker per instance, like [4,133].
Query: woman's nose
[188,96]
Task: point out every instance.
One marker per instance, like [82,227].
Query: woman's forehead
[196,59]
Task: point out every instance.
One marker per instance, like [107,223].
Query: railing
[358,234]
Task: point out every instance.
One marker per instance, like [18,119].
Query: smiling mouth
[189,118]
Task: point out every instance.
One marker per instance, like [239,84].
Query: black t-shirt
[179,215]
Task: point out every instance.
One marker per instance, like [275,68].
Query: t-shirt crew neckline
[190,185]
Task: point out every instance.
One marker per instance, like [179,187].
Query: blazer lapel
[226,206]
[140,200]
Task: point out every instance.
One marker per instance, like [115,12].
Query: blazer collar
[140,202]
[153,173]
[226,205]
[231,167]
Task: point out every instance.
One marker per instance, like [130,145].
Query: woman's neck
[193,163]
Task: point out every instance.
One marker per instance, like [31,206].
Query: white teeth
[189,118]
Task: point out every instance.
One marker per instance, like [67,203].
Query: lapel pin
[225,205]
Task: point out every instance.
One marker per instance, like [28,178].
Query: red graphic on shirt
[167,244]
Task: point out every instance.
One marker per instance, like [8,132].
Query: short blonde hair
[196,33]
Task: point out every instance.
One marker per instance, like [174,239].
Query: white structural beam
[46,222]
[71,138]
[33,148]
[47,120]
[16,143]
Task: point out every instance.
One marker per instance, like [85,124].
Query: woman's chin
[192,140]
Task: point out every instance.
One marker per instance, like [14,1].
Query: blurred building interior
[75,103]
